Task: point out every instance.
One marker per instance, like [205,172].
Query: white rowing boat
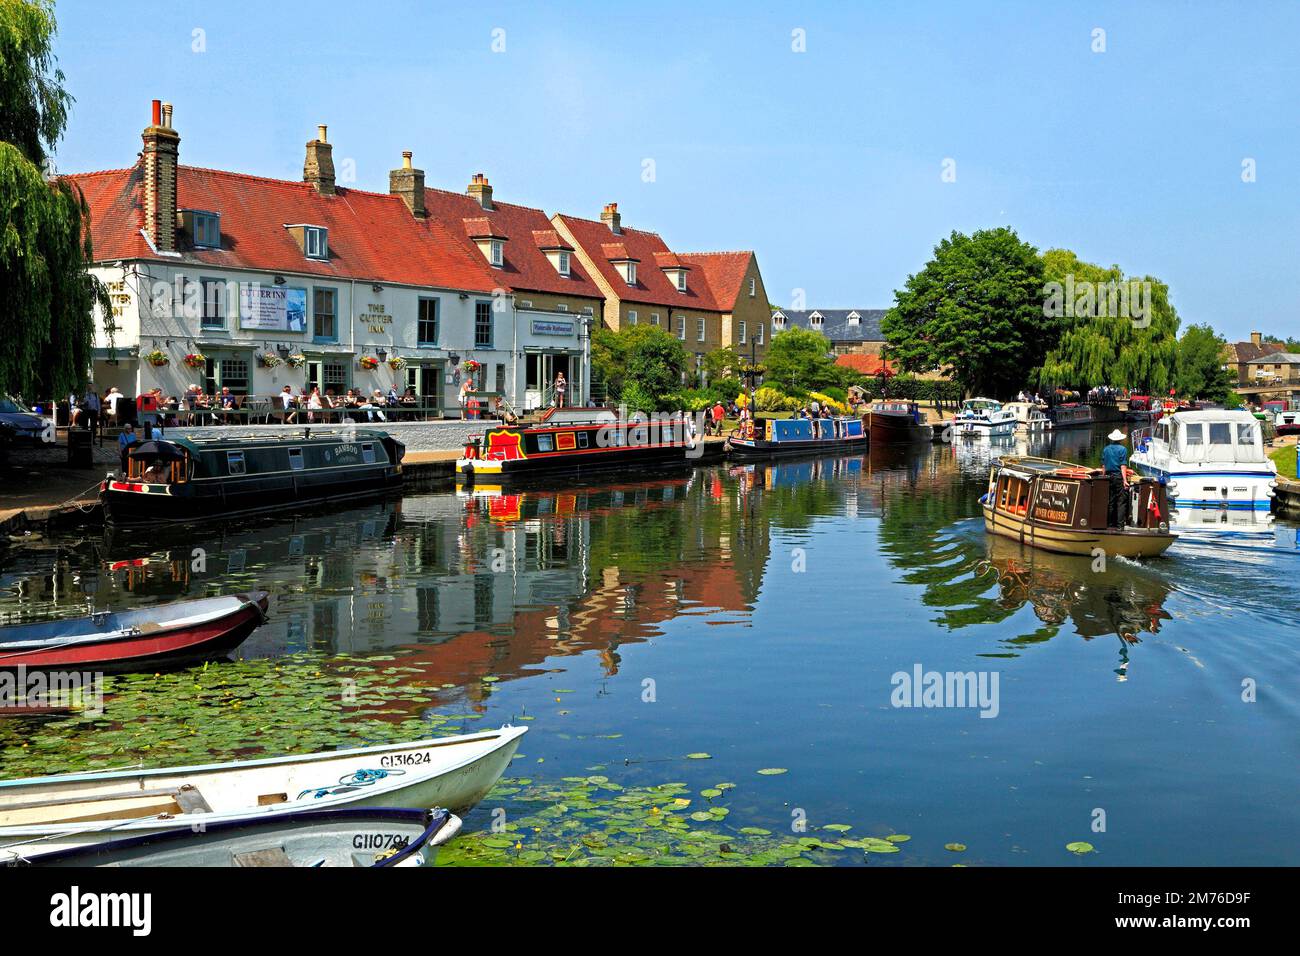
[41,814]
[351,837]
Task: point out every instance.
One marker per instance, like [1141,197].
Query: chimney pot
[157,113]
[406,159]
[408,182]
[480,190]
[321,130]
[611,218]
[167,115]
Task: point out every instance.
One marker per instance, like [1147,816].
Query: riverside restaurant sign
[272,308]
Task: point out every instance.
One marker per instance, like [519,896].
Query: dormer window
[312,240]
[855,319]
[815,320]
[496,254]
[681,280]
[316,243]
[778,320]
[204,228]
[629,272]
[563,265]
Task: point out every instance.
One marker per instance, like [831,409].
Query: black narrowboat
[578,440]
[192,478]
[778,437]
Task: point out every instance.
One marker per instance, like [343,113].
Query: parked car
[24,425]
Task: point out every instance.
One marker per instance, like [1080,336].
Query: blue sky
[827,162]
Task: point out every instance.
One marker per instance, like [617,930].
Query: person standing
[1114,459]
[560,387]
[124,442]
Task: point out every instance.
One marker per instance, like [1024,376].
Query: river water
[754,618]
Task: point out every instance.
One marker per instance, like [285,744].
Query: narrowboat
[1071,415]
[1061,507]
[897,423]
[1030,418]
[242,473]
[579,440]
[1143,409]
[1210,459]
[983,418]
[778,437]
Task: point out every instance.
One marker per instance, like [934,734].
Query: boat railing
[285,433]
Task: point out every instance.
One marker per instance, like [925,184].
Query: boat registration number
[380,841]
[416,759]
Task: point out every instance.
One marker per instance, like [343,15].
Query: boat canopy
[981,404]
[1216,435]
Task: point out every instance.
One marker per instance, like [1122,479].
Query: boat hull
[134,646]
[1132,543]
[887,429]
[43,814]
[385,837]
[743,449]
[578,462]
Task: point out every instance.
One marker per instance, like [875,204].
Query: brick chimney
[611,218]
[408,182]
[319,166]
[1256,338]
[160,155]
[480,190]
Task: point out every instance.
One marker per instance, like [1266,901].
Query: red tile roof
[724,272]
[372,236]
[525,266]
[550,239]
[652,287]
[866,364]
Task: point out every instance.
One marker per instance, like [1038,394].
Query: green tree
[1200,367]
[799,360]
[46,314]
[640,364]
[976,309]
[1119,331]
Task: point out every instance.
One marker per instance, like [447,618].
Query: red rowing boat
[164,635]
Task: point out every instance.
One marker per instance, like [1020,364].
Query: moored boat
[247,472]
[897,423]
[983,418]
[778,437]
[1030,418]
[380,837]
[164,635]
[1071,415]
[579,440]
[41,814]
[1061,507]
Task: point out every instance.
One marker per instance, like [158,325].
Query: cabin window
[582,439]
[1245,434]
[368,453]
[295,459]
[1194,434]
[235,462]
[545,443]
[1220,433]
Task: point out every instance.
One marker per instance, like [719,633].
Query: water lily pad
[772,771]
[898,838]
[699,756]
[711,793]
[1079,847]
[955,847]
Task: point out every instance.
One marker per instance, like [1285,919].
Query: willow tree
[47,310]
[1118,330]
[975,310]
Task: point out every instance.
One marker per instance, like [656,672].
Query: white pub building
[229,280]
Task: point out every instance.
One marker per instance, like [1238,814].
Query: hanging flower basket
[270,360]
[196,360]
[369,363]
[296,360]
[470,366]
[157,358]
[396,364]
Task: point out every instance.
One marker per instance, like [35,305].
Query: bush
[637,398]
[770,400]
[689,400]
[839,407]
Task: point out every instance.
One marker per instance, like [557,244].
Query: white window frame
[563,264]
[629,272]
[654,318]
[315,242]
[681,327]
[753,287]
[758,334]
[497,253]
[681,280]
[631,316]
[701,330]
[742,330]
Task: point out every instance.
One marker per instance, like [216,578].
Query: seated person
[156,474]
